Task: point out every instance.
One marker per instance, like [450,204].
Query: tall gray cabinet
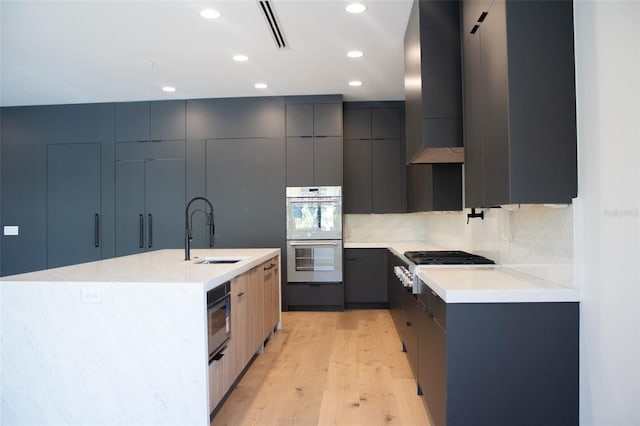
[74,205]
[374,171]
[150,176]
[314,140]
[519,102]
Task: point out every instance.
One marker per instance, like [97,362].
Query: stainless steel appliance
[218,310]
[446,257]
[314,234]
[437,259]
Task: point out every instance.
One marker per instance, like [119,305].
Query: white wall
[607,254]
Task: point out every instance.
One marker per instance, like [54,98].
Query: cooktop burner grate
[446,257]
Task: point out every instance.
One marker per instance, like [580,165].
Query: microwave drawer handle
[317,243]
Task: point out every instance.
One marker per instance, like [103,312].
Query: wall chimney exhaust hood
[433,83]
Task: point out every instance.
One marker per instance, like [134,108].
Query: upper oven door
[314,216]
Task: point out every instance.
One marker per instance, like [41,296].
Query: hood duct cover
[274,24]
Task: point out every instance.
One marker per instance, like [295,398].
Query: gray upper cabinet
[74,212]
[145,121]
[374,171]
[150,196]
[132,121]
[314,140]
[433,90]
[235,118]
[299,120]
[519,102]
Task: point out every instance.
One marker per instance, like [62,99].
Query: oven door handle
[313,243]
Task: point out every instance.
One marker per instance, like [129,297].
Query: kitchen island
[121,341]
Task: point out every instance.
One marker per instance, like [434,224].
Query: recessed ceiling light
[356,8]
[354,54]
[240,58]
[210,14]
[168,89]
[355,83]
[260,85]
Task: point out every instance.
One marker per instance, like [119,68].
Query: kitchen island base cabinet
[315,296]
[255,314]
[499,363]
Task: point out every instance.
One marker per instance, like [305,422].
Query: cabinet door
[132,121]
[494,71]
[239,327]
[474,97]
[73,204]
[358,179]
[299,118]
[300,161]
[165,203]
[216,381]
[236,188]
[271,296]
[388,169]
[256,310]
[432,367]
[357,123]
[364,276]
[23,205]
[386,123]
[327,120]
[327,158]
[167,120]
[130,208]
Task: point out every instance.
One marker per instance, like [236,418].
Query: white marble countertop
[479,284]
[160,266]
[120,341]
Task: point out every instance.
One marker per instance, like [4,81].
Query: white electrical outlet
[91,295]
[11,230]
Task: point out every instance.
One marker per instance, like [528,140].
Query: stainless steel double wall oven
[314,234]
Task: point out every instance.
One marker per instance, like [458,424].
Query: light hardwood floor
[328,368]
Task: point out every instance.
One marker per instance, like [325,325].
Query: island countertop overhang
[160,266]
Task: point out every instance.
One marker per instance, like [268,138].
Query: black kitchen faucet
[188,222]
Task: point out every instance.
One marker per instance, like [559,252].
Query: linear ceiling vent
[274,24]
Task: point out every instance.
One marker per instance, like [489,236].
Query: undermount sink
[217,260]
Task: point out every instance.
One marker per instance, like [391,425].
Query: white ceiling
[55,52]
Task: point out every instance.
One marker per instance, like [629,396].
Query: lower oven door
[314,261]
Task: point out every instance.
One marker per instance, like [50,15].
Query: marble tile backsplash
[534,239]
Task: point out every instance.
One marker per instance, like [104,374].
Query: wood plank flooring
[328,368]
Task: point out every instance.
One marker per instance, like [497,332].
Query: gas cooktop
[452,257]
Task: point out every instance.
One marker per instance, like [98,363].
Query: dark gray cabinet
[374,171]
[235,118]
[314,141]
[315,297]
[245,183]
[24,205]
[525,353]
[433,91]
[365,284]
[74,209]
[150,196]
[434,187]
[519,102]
[150,121]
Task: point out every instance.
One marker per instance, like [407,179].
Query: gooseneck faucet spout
[188,222]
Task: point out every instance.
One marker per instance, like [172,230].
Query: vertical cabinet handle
[96,230]
[141,231]
[150,224]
